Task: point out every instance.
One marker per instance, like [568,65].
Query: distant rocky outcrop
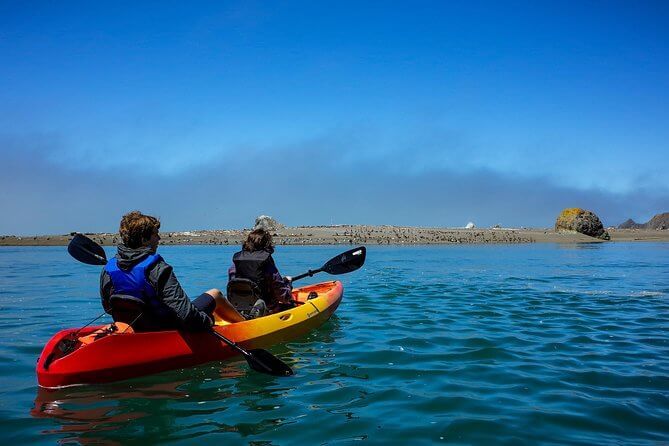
[630,224]
[660,221]
[267,223]
[582,221]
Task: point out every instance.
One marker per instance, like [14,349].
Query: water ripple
[474,345]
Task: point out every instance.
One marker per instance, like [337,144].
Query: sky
[208,114]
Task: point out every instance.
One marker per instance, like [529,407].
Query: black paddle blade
[264,362]
[86,250]
[346,262]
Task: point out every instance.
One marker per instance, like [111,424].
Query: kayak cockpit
[300,296]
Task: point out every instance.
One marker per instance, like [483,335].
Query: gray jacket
[161,277]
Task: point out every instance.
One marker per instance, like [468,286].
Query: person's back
[137,285]
[255,263]
[252,265]
[133,294]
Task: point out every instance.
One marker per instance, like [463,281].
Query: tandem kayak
[104,353]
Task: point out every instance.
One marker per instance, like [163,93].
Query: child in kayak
[255,263]
[137,274]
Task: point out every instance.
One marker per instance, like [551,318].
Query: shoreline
[360,234]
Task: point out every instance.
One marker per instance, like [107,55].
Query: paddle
[341,264]
[258,359]
[87,251]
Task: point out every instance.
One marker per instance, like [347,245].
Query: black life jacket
[251,266]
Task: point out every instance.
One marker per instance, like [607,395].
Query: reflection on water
[580,246]
[149,406]
[153,407]
[85,413]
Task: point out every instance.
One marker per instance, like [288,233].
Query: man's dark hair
[136,229]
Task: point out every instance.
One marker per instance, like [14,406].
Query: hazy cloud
[320,181]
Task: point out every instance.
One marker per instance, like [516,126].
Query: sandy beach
[359,235]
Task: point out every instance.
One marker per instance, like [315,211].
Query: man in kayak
[255,263]
[137,274]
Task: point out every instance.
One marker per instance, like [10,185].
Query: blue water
[524,344]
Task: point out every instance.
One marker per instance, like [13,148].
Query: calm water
[478,344]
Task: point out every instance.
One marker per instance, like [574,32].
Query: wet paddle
[341,264]
[87,251]
[258,359]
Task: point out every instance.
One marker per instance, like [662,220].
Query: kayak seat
[133,311]
[243,294]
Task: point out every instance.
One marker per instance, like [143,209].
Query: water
[462,344]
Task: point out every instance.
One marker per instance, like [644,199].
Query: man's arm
[169,290]
[106,290]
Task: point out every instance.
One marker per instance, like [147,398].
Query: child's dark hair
[259,240]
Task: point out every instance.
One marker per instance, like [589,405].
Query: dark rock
[659,221]
[629,224]
[582,221]
[267,223]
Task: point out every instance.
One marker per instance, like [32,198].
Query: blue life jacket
[133,282]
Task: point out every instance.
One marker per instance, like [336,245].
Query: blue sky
[418,113]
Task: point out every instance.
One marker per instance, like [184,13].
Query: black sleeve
[281,290]
[106,290]
[169,290]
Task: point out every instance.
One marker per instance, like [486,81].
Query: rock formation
[629,224]
[659,221]
[580,220]
[267,223]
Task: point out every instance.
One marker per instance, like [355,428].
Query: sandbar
[362,235]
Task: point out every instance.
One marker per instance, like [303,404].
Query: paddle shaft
[309,273]
[230,343]
[254,361]
[340,264]
[100,258]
